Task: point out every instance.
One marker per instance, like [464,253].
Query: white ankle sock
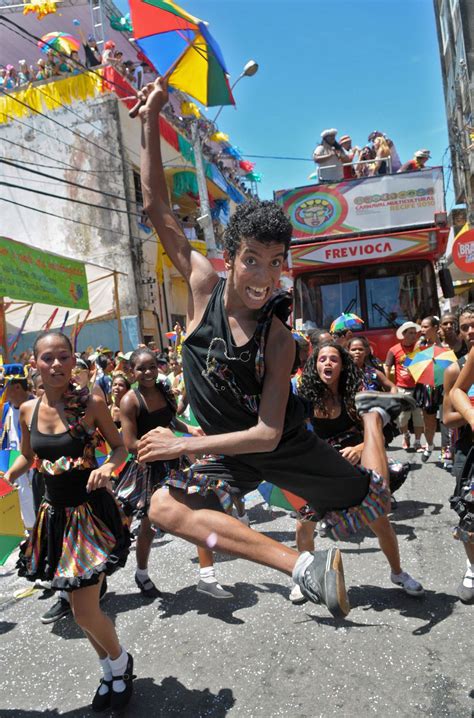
[208,574]
[106,670]
[118,666]
[468,580]
[142,574]
[385,416]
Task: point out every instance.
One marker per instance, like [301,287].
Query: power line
[65,181]
[68,199]
[275,157]
[51,167]
[69,219]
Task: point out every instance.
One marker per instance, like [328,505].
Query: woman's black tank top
[53,446]
[220,378]
[148,420]
[329,428]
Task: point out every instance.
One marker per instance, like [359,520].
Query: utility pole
[205,220]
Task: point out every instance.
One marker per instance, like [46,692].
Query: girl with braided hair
[331,381]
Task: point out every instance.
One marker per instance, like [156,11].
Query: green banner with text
[35,276]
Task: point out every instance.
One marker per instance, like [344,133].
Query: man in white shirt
[330,157]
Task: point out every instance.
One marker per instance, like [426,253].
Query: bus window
[399,292]
[321,297]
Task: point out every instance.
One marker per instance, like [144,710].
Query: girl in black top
[120,386]
[331,380]
[80,534]
[149,406]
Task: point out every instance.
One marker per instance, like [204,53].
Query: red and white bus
[367,246]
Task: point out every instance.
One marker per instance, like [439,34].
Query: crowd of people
[312,417]
[56,64]
[338,159]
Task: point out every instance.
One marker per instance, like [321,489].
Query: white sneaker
[409,585]
[296,596]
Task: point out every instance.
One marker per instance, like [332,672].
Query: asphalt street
[258,655]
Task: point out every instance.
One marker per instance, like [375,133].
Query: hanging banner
[35,276]
[378,203]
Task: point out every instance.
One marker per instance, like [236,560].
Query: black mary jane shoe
[120,700]
[148,588]
[102,701]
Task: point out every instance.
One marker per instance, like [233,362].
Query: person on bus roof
[417,163]
[395,159]
[330,156]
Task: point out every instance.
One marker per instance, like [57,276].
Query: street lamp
[250,68]
[205,220]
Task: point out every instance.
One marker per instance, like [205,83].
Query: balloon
[76,22]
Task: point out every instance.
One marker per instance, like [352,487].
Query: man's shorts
[303,464]
[416,414]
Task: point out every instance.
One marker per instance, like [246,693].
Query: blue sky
[357,65]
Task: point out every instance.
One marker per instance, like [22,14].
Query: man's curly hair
[315,390]
[466,309]
[262,220]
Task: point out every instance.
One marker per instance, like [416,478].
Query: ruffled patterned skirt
[138,482]
[71,546]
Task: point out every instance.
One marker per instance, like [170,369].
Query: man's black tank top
[220,378]
[148,420]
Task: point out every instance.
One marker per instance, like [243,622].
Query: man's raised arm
[194,267]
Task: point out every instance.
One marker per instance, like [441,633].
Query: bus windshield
[383,295]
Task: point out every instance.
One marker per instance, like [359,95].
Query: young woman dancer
[331,381]
[374,378]
[120,386]
[151,405]
[80,534]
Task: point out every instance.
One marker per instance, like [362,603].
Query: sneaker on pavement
[466,594]
[147,588]
[320,575]
[43,584]
[59,609]
[409,585]
[393,404]
[296,596]
[213,589]
[418,447]
[426,453]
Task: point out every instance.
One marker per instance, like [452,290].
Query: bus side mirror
[446,283]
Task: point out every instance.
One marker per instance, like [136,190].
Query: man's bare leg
[205,527]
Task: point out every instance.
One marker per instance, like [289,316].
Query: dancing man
[237,361]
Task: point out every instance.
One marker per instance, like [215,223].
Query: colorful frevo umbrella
[181,48]
[12,530]
[275,496]
[346,321]
[427,366]
[60,41]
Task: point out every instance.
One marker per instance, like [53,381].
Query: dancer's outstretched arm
[194,267]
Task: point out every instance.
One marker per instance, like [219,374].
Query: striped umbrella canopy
[181,48]
[275,496]
[428,365]
[60,41]
[346,321]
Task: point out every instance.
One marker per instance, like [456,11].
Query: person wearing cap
[24,75]
[330,157]
[91,51]
[108,56]
[417,163]
[11,78]
[348,169]
[394,157]
[396,355]
[16,393]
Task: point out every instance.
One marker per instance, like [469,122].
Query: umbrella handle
[134,111]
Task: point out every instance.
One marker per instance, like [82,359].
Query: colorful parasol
[346,321]
[181,47]
[172,336]
[275,496]
[60,41]
[12,530]
[428,365]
